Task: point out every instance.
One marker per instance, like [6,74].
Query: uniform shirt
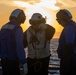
[20,53]
[19,46]
[68,36]
[42,49]
[50,31]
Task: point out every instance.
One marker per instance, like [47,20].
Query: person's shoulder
[68,27]
[50,26]
[18,29]
[4,24]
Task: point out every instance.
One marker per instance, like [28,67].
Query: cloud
[7,2]
[66,3]
[50,4]
[22,4]
[30,1]
[19,3]
[60,3]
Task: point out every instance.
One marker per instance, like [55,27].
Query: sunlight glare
[36,9]
[49,4]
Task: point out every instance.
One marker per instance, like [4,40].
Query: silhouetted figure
[67,43]
[12,52]
[37,39]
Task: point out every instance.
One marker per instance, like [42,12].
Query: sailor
[67,43]
[12,52]
[37,39]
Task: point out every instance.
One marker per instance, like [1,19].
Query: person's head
[17,15]
[36,19]
[63,17]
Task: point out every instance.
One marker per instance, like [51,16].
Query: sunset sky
[47,8]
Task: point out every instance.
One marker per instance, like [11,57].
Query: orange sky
[47,8]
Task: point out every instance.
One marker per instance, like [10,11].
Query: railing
[54,65]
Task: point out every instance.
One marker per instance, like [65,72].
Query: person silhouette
[12,52]
[67,43]
[37,40]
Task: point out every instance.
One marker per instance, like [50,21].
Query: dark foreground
[53,67]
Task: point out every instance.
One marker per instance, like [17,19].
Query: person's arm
[25,39]
[69,40]
[50,31]
[20,50]
[59,52]
[19,46]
